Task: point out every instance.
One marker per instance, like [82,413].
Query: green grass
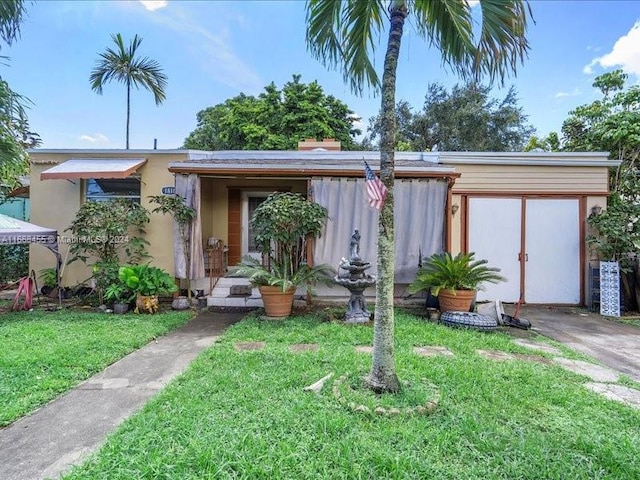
[242,414]
[43,354]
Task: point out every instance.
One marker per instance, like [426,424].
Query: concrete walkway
[614,344]
[65,431]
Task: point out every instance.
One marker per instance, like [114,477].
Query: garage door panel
[552,245]
[494,235]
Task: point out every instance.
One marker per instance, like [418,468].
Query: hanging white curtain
[419,221]
[188,187]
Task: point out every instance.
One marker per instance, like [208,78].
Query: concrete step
[253,301]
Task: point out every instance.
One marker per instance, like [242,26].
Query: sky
[214,50]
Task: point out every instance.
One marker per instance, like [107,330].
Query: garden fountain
[356,281]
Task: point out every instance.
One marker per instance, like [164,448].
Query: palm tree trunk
[382,377]
[128,110]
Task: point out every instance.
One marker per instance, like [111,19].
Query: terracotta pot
[147,304]
[277,303]
[456,300]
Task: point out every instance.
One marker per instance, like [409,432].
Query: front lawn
[243,414]
[43,354]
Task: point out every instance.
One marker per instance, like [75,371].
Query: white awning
[93,168]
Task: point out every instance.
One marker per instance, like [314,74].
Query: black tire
[468,320]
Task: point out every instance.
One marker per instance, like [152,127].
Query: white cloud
[153,5]
[473,3]
[576,91]
[214,51]
[624,54]
[95,138]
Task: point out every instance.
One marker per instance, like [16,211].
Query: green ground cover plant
[243,414]
[45,354]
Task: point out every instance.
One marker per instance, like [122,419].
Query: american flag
[376,190]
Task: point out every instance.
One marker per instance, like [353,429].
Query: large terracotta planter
[456,300]
[277,303]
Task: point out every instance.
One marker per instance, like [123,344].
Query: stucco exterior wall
[54,204]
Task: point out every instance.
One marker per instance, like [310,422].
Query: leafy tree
[612,124]
[550,143]
[465,119]
[15,134]
[343,34]
[274,120]
[124,66]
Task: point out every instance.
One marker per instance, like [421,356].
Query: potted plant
[283,225]
[146,283]
[454,279]
[120,295]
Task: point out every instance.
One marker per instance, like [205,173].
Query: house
[524,212]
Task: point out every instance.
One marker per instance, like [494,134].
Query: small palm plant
[443,271]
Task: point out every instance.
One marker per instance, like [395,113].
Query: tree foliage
[344,35]
[274,120]
[612,124]
[550,143]
[465,119]
[124,65]
[15,134]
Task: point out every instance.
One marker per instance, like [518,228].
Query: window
[102,189]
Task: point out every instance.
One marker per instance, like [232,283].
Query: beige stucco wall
[54,204]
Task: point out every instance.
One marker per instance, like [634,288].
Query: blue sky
[212,51]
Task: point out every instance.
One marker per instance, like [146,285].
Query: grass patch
[243,414]
[44,354]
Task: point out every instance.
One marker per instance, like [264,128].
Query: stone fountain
[356,281]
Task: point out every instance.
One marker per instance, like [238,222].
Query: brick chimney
[329,144]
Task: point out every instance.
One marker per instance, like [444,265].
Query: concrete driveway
[614,344]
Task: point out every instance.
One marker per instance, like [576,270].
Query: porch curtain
[188,187]
[419,222]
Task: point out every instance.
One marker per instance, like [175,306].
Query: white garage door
[494,235]
[550,254]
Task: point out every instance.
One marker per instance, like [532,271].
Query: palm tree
[343,34]
[123,66]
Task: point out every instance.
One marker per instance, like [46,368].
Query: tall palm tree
[343,34]
[123,66]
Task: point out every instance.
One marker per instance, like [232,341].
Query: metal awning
[93,168]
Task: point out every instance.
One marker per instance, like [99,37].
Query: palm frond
[502,45]
[344,35]
[120,64]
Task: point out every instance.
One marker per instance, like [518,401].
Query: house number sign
[610,289]
[168,190]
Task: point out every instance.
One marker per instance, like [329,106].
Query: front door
[250,201]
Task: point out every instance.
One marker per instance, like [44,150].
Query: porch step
[234,301]
[225,294]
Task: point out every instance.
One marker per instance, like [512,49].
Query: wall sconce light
[454,208]
[595,210]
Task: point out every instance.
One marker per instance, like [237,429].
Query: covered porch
[233,184]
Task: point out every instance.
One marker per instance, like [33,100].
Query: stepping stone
[532,358]
[432,351]
[594,372]
[619,393]
[304,347]
[495,355]
[244,346]
[364,349]
[543,347]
